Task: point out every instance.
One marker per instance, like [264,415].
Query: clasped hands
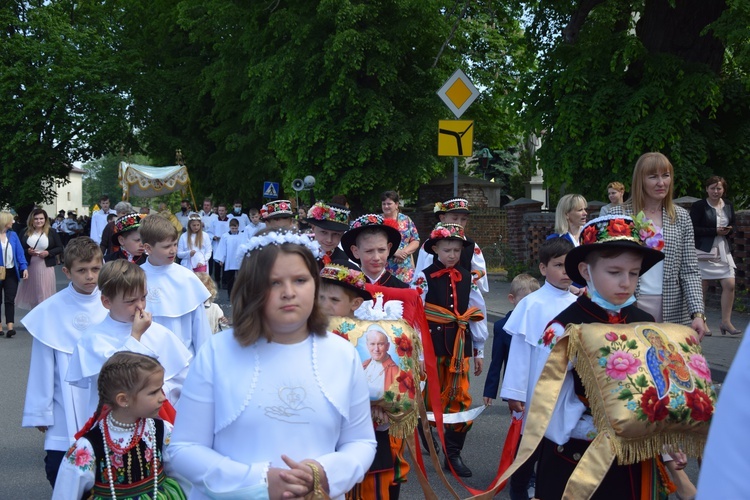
[295,483]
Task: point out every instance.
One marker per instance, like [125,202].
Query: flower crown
[454,204]
[279,238]
[321,211]
[443,231]
[275,208]
[337,272]
[127,223]
[194,216]
[618,228]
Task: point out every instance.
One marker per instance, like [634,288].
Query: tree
[59,92]
[619,78]
[340,89]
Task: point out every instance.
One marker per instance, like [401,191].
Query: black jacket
[54,248]
[704,223]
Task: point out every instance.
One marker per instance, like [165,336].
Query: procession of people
[145,388]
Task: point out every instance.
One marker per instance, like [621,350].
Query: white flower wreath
[279,238]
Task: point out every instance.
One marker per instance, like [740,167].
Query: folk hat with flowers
[445,232]
[277,209]
[369,221]
[637,234]
[345,274]
[455,205]
[124,225]
[329,216]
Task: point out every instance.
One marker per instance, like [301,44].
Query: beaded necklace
[139,431]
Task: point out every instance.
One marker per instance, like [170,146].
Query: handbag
[712,256]
[5,259]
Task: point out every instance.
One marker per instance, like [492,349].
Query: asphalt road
[21,450]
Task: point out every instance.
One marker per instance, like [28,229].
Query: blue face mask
[597,299]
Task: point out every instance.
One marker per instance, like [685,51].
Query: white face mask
[597,299]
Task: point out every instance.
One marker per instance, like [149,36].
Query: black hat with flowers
[368,221]
[637,234]
[345,274]
[455,205]
[277,209]
[124,225]
[445,232]
[329,216]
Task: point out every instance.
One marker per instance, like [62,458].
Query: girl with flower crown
[119,453]
[194,248]
[277,406]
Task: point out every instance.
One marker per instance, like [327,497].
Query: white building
[69,196]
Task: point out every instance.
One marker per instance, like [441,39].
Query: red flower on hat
[284,206]
[618,227]
[589,235]
[373,219]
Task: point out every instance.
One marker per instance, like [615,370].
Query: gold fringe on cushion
[403,424]
[627,450]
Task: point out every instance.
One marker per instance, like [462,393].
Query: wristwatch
[698,315]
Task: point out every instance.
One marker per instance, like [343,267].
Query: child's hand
[478,363]
[517,406]
[141,322]
[42,428]
[192,252]
[488,401]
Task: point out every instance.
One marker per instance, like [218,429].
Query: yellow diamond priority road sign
[455,138]
[458,93]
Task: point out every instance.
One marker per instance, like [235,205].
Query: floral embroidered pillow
[648,386]
[389,353]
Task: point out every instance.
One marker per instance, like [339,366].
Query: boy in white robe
[228,254]
[175,294]
[55,408]
[127,327]
[528,351]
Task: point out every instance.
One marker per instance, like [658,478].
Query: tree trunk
[677,31]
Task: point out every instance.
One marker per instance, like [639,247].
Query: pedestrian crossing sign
[270,190]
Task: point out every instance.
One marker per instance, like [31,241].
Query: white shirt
[527,324]
[306,400]
[175,299]
[57,324]
[242,218]
[218,227]
[98,223]
[229,251]
[253,229]
[109,337]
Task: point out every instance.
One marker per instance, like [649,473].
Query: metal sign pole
[455,177]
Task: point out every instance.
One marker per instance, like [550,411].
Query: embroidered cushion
[648,386]
[389,353]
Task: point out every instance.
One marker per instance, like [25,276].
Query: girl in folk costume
[119,453]
[276,406]
[194,247]
[452,317]
[127,239]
